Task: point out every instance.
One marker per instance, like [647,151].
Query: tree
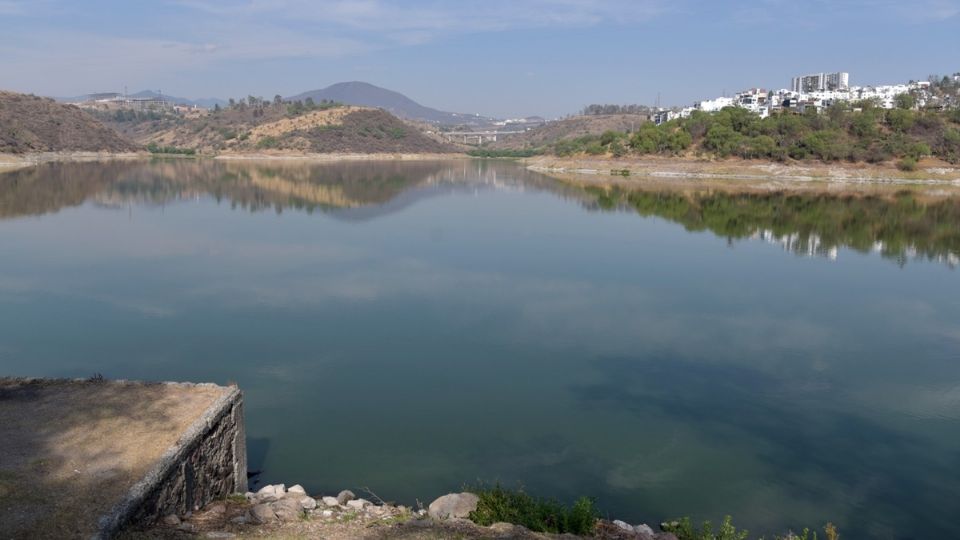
[277,102]
[905,101]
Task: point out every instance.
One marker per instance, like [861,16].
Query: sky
[502,58]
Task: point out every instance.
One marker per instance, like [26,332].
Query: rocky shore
[276,511]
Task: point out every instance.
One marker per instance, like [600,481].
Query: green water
[409,328]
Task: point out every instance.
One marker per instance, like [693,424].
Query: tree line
[858,132]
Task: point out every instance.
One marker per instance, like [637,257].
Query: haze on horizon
[495,57]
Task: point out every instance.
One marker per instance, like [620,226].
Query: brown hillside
[570,128]
[334,129]
[35,124]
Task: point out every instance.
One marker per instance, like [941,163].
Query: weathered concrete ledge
[208,462]
[87,457]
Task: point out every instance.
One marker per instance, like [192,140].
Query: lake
[411,328]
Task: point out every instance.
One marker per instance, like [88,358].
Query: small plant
[540,515]
[684,529]
[907,164]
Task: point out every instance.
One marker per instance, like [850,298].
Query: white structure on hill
[820,82]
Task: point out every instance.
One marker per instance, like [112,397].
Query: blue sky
[494,57]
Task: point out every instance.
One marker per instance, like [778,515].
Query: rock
[219,534]
[330,501]
[643,528]
[170,520]
[250,495]
[308,503]
[327,513]
[297,489]
[262,513]
[186,527]
[287,509]
[344,496]
[240,520]
[623,525]
[502,528]
[454,505]
[358,504]
[271,493]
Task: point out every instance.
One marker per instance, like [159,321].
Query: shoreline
[660,172]
[740,173]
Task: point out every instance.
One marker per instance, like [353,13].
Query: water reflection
[899,226]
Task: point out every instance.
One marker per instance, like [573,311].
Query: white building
[820,82]
[713,105]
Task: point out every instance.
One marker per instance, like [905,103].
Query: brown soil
[35,124]
[215,521]
[70,450]
[336,130]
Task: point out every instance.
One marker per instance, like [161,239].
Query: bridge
[476,137]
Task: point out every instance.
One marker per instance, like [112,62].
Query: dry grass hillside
[35,124]
[329,129]
[570,128]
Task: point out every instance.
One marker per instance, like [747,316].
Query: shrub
[268,142]
[907,164]
[539,515]
[684,529]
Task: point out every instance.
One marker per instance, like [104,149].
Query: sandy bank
[669,170]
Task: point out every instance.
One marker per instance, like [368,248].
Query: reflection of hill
[353,190]
[898,226]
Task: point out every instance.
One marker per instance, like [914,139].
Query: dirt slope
[341,129]
[35,124]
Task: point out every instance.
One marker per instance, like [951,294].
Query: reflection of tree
[899,226]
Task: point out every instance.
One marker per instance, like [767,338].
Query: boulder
[330,501]
[170,520]
[297,489]
[327,513]
[262,513]
[359,504]
[454,505]
[344,496]
[644,529]
[287,509]
[308,503]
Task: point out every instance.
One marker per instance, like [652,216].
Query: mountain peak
[369,95]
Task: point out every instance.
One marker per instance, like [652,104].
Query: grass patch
[540,515]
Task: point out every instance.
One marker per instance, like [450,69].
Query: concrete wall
[208,463]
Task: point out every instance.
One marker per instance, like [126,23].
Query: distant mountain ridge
[368,95]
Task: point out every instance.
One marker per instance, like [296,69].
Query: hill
[327,128]
[368,95]
[35,124]
[569,128]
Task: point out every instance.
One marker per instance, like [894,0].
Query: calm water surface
[414,327]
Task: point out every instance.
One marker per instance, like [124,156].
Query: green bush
[684,529]
[268,142]
[153,148]
[540,515]
[907,164]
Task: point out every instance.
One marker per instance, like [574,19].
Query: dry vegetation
[570,128]
[35,124]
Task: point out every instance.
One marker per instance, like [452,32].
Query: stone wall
[209,462]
